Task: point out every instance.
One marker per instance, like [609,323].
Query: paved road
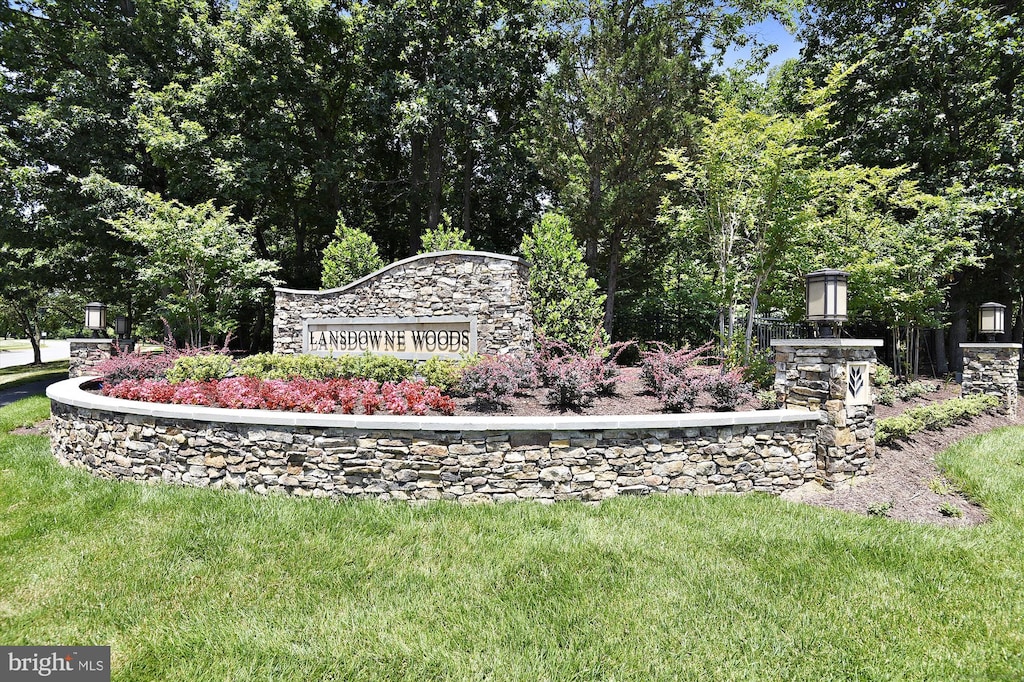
[10,395]
[56,349]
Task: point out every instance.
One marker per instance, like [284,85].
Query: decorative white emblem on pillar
[858,386]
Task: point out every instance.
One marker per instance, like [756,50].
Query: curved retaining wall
[470,459]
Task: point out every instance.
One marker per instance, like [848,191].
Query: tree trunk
[957,331]
[435,152]
[941,361]
[417,180]
[468,165]
[593,218]
[614,255]
[31,329]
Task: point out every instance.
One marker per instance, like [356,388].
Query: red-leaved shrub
[491,380]
[325,396]
[672,376]
[573,380]
[728,390]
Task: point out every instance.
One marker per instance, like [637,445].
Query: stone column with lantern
[992,368]
[833,376]
[86,353]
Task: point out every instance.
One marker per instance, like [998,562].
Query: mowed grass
[199,585]
[10,377]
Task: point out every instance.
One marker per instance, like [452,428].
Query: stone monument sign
[446,304]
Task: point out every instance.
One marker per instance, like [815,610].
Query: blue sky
[769,31]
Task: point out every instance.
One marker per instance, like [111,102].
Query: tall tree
[627,84]
[940,90]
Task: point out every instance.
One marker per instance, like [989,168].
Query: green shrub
[937,416]
[351,255]
[896,428]
[446,237]
[566,303]
[445,374]
[758,369]
[200,368]
[887,395]
[950,510]
[270,366]
[883,376]
[915,389]
[380,368]
[769,400]
[879,509]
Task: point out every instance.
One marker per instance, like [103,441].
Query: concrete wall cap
[993,346]
[828,343]
[69,392]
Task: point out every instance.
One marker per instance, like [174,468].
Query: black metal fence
[768,328]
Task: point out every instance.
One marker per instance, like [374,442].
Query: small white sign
[858,383]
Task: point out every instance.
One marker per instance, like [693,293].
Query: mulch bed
[905,474]
[630,398]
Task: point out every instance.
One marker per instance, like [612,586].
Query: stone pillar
[87,353]
[833,376]
[991,369]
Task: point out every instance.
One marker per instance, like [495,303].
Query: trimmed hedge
[937,416]
[380,368]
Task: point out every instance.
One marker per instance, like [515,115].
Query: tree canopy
[695,192]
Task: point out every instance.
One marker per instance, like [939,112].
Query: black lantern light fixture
[95,317]
[121,326]
[991,320]
[826,300]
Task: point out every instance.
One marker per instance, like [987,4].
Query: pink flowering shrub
[574,380]
[324,396]
[728,391]
[672,375]
[491,380]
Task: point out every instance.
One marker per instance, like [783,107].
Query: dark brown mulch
[905,474]
[629,398]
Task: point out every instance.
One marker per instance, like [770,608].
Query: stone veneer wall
[87,353]
[991,369]
[491,288]
[813,374]
[457,458]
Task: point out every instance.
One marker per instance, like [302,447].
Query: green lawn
[24,374]
[199,585]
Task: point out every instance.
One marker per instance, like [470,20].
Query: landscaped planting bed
[554,381]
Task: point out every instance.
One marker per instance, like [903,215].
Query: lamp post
[826,300]
[121,326]
[95,318]
[991,320]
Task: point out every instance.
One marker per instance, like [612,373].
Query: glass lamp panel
[840,298]
[815,299]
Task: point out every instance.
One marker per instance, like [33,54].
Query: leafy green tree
[939,91]
[457,80]
[902,247]
[351,255]
[744,193]
[445,237]
[200,262]
[626,84]
[566,303]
